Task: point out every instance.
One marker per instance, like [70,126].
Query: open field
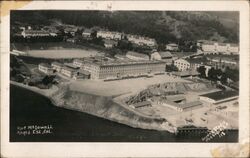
[111,88]
[62,53]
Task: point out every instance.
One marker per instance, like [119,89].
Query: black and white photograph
[124,76]
[120,76]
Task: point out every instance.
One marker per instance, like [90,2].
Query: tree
[93,34]
[170,68]
[212,74]
[202,71]
[124,45]
[224,78]
[161,47]
[233,74]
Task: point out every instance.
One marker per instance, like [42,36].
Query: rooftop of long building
[207,42]
[140,55]
[220,95]
[102,61]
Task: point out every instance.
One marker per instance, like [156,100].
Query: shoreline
[35,89]
[140,125]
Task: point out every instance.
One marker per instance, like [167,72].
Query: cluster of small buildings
[211,47]
[67,69]
[188,64]
[178,102]
[135,39]
[225,61]
[111,37]
[141,40]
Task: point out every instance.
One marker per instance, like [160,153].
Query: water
[28,108]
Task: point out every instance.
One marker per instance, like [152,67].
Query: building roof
[220,95]
[68,69]
[190,104]
[83,72]
[172,45]
[87,31]
[70,65]
[36,31]
[78,60]
[120,56]
[45,65]
[109,32]
[182,60]
[105,62]
[140,37]
[175,97]
[57,63]
[141,104]
[140,55]
[165,54]
[183,106]
[170,103]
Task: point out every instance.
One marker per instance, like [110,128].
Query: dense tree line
[225,76]
[192,27]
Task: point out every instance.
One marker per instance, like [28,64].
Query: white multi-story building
[109,35]
[104,69]
[172,47]
[140,40]
[210,47]
[35,33]
[182,64]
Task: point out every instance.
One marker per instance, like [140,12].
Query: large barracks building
[101,68]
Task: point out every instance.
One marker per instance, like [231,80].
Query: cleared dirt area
[206,116]
[62,53]
[120,86]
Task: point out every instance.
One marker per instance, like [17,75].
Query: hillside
[164,26]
